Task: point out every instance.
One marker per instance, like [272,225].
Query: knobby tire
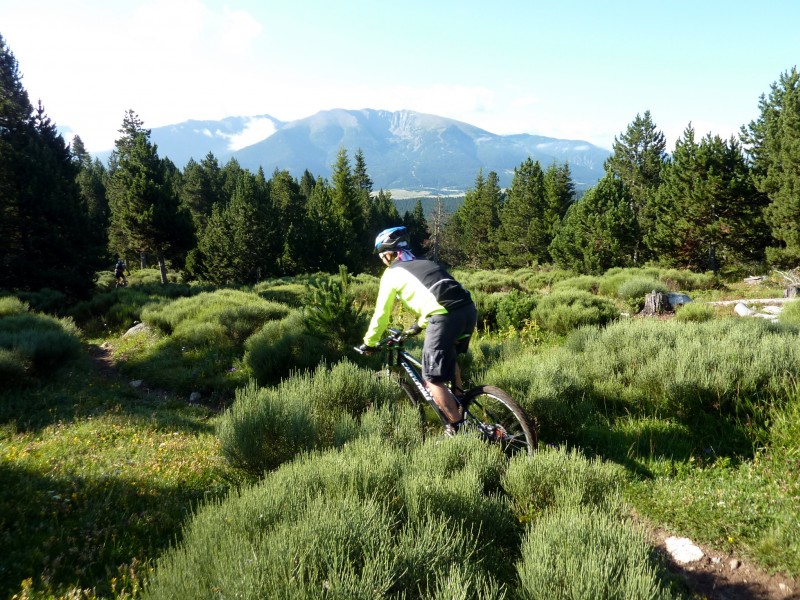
[491,408]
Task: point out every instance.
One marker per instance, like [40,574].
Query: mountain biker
[443,307]
[119,273]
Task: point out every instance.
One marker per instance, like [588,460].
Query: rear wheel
[499,419]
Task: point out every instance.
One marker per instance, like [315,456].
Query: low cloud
[256,130]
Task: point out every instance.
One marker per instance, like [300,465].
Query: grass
[102,487]
[95,481]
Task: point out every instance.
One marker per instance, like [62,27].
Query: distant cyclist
[119,273]
[443,307]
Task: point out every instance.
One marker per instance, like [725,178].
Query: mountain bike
[487,410]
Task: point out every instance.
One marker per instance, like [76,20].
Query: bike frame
[397,356]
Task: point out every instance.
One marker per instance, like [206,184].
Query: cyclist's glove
[415,329]
[364,349]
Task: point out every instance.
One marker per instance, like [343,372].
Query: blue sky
[578,70]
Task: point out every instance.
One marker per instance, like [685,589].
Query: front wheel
[499,419]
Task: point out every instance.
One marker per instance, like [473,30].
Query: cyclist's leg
[439,364]
[445,401]
[470,322]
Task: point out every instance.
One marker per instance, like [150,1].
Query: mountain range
[403,150]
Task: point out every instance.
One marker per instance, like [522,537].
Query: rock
[135,329]
[676,299]
[754,279]
[742,310]
[136,383]
[194,397]
[734,564]
[683,550]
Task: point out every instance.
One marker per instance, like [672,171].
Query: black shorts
[446,336]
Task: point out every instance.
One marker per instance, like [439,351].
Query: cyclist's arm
[383,310]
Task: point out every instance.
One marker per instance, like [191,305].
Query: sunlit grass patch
[746,507]
[104,492]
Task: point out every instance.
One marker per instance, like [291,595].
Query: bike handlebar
[396,337]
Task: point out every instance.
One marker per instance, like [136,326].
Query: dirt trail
[722,576]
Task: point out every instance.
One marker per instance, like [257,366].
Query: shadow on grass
[639,443]
[80,390]
[100,534]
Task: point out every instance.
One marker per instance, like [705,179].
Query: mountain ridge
[403,150]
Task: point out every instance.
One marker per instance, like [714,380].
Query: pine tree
[348,211]
[383,212]
[290,209]
[145,214]
[559,194]
[522,233]
[307,183]
[707,212]
[599,231]
[92,180]
[46,235]
[202,189]
[437,229]
[417,227]
[773,144]
[321,242]
[478,219]
[639,156]
[239,245]
[363,183]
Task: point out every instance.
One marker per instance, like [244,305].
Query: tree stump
[656,303]
[791,291]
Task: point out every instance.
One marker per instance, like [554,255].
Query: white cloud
[257,129]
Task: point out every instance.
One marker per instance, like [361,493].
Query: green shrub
[696,312]
[561,477]
[281,347]
[344,389]
[45,300]
[487,305]
[543,279]
[683,280]
[240,312]
[114,310]
[397,423]
[335,524]
[634,290]
[561,312]
[13,367]
[11,305]
[790,314]
[264,428]
[586,283]
[515,309]
[785,421]
[578,552]
[487,281]
[38,342]
[285,292]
